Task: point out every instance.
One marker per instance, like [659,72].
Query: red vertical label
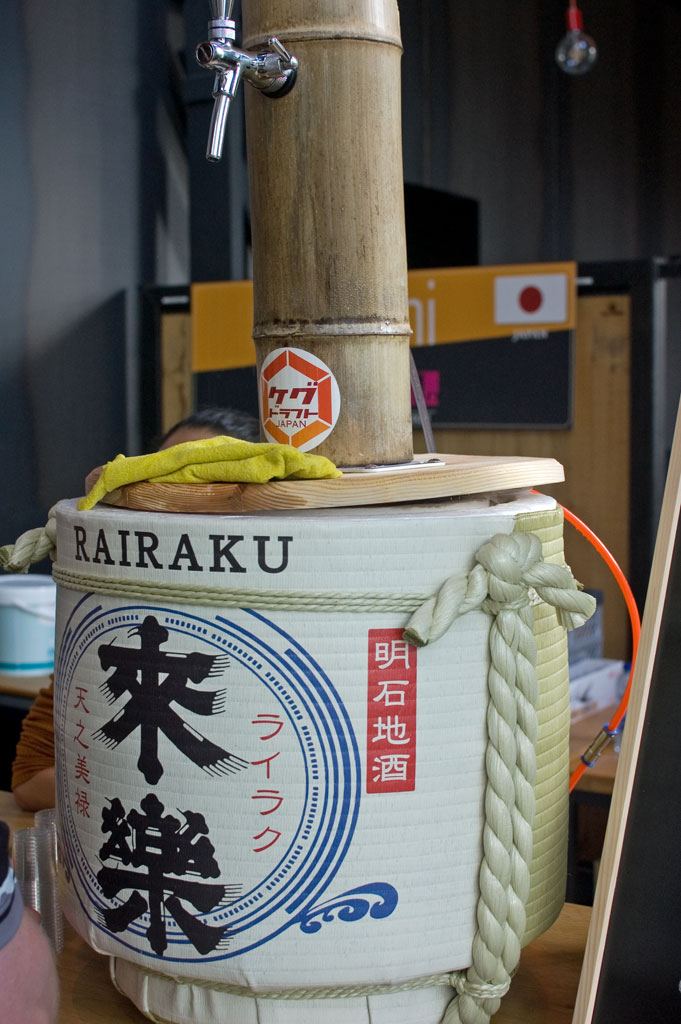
[391,713]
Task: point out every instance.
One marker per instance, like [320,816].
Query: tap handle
[273,71]
[216,133]
[281,51]
[221,9]
[277,70]
[221,26]
[224,91]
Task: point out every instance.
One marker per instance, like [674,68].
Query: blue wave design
[378,899]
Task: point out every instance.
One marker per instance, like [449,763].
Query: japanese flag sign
[530,299]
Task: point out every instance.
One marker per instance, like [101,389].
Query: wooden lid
[429,476]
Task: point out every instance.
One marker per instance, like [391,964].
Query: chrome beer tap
[273,71]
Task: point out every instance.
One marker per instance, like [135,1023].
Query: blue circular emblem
[208,774]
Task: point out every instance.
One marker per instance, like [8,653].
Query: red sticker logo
[299,398]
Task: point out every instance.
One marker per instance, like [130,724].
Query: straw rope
[453,979]
[225,597]
[30,547]
[514,567]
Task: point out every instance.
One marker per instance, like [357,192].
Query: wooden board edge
[631,740]
[460,475]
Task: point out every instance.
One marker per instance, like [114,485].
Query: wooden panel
[594,452]
[631,966]
[454,475]
[176,372]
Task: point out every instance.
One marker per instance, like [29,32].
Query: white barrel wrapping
[286,797]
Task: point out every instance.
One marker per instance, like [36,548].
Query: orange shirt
[35,749]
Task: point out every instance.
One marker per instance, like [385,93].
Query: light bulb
[576,52]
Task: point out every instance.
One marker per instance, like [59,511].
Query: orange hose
[611,727]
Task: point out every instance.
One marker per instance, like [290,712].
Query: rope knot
[522,600]
[479,990]
[509,575]
[508,558]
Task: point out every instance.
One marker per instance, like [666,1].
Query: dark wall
[17,440]
[564,168]
[98,196]
[84,210]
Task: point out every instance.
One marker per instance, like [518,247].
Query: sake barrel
[271,806]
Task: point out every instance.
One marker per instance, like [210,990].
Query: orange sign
[222,325]
[450,305]
[467,303]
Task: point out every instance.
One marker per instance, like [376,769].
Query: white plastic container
[27,614]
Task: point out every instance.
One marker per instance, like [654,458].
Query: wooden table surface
[542,992]
[23,686]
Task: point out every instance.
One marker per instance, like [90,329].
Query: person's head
[212,422]
[206,423]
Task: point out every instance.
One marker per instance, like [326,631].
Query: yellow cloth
[214,460]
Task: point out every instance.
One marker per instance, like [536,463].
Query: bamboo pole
[327,209]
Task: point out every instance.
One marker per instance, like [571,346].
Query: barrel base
[162,998]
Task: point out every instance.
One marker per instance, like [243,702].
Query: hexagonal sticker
[299,398]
